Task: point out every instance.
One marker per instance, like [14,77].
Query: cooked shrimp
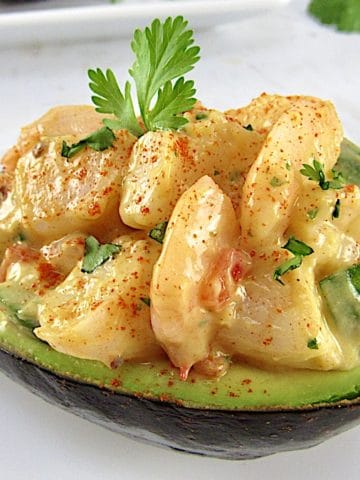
[196,273]
[309,130]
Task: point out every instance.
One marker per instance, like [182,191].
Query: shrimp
[101,315]
[309,130]
[196,274]
[164,164]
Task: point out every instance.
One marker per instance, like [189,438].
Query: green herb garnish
[312,213]
[313,344]
[201,116]
[249,127]
[146,300]
[316,173]
[99,141]
[276,182]
[164,52]
[298,247]
[345,14]
[300,250]
[20,237]
[158,232]
[286,267]
[336,211]
[97,254]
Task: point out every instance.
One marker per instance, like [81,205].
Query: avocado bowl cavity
[248,413]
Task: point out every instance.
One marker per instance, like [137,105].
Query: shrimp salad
[211,244]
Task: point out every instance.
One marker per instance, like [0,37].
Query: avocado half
[248,413]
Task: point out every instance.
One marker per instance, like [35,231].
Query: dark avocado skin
[233,435]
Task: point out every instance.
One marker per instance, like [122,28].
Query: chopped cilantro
[287,266]
[336,211]
[146,300]
[97,254]
[316,173]
[158,232]
[99,141]
[312,213]
[297,247]
[201,116]
[20,237]
[300,250]
[313,344]
[249,127]
[276,182]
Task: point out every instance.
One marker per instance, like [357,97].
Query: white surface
[283,51]
[117,20]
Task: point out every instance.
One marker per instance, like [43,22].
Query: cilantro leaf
[146,300]
[172,100]
[316,173]
[164,52]
[300,250]
[97,254]
[313,344]
[345,14]
[99,141]
[158,232]
[287,266]
[297,247]
[109,99]
[276,182]
[338,180]
[312,213]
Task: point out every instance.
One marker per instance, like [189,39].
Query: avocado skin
[233,435]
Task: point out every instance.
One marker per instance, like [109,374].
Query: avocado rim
[233,435]
[239,432]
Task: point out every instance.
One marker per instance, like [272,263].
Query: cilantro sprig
[99,141]
[300,250]
[164,52]
[316,173]
[97,254]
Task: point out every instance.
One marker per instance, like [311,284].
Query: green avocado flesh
[349,162]
[242,388]
[342,294]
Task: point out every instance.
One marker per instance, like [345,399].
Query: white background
[285,52]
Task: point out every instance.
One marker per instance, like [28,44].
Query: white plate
[118,20]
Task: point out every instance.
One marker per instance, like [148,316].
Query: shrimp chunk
[100,315]
[57,196]
[196,273]
[164,164]
[278,325]
[309,130]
